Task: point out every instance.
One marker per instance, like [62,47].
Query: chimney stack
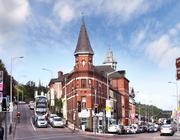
[60,74]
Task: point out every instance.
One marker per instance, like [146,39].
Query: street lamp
[45,69]
[108,74]
[177,117]
[12,59]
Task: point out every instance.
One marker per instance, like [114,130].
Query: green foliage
[59,105]
[148,111]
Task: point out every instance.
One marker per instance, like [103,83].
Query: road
[25,130]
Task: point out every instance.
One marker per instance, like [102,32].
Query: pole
[95,114]
[139,112]
[22,94]
[108,89]
[5,118]
[177,97]
[11,93]
[108,96]
[177,106]
[66,101]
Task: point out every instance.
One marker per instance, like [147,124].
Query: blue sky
[143,35]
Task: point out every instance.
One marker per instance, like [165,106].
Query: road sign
[107,108]
[178,108]
[11,107]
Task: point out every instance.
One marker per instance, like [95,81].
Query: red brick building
[86,86]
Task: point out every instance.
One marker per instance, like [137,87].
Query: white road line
[32,124]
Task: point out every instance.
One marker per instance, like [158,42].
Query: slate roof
[83,44]
[104,69]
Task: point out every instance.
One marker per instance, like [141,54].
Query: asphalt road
[25,130]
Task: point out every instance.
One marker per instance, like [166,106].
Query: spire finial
[82,14]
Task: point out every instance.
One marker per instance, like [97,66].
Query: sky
[143,35]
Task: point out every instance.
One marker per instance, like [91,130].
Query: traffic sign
[178,108]
[107,108]
[10,107]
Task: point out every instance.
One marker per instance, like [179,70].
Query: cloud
[165,49]
[65,13]
[12,14]
[124,10]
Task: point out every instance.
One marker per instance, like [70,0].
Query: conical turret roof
[83,44]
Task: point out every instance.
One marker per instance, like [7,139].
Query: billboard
[178,68]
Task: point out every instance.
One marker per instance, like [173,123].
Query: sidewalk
[76,130]
[177,134]
[12,135]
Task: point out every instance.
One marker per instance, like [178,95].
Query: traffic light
[4,104]
[79,106]
[95,108]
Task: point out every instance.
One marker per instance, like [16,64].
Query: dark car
[150,129]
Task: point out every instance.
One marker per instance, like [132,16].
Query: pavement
[80,131]
[177,134]
[10,136]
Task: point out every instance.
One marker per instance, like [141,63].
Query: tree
[6,79]
[29,90]
[59,105]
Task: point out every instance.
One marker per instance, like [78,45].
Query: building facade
[87,88]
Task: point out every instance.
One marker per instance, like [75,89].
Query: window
[90,83]
[83,102]
[83,83]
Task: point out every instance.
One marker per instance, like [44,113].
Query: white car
[41,122]
[50,117]
[57,122]
[113,128]
[167,129]
[31,105]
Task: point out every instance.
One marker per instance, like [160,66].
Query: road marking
[32,124]
[44,137]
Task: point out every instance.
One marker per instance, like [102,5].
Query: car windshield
[57,119]
[41,119]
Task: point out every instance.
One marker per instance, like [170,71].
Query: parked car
[167,129]
[31,105]
[50,117]
[113,128]
[57,122]
[41,122]
[150,129]
[130,129]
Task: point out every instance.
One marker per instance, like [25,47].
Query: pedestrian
[1,132]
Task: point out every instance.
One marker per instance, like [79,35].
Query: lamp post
[108,74]
[177,117]
[12,59]
[45,69]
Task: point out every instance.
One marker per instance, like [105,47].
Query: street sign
[178,108]
[10,107]
[178,68]
[108,108]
